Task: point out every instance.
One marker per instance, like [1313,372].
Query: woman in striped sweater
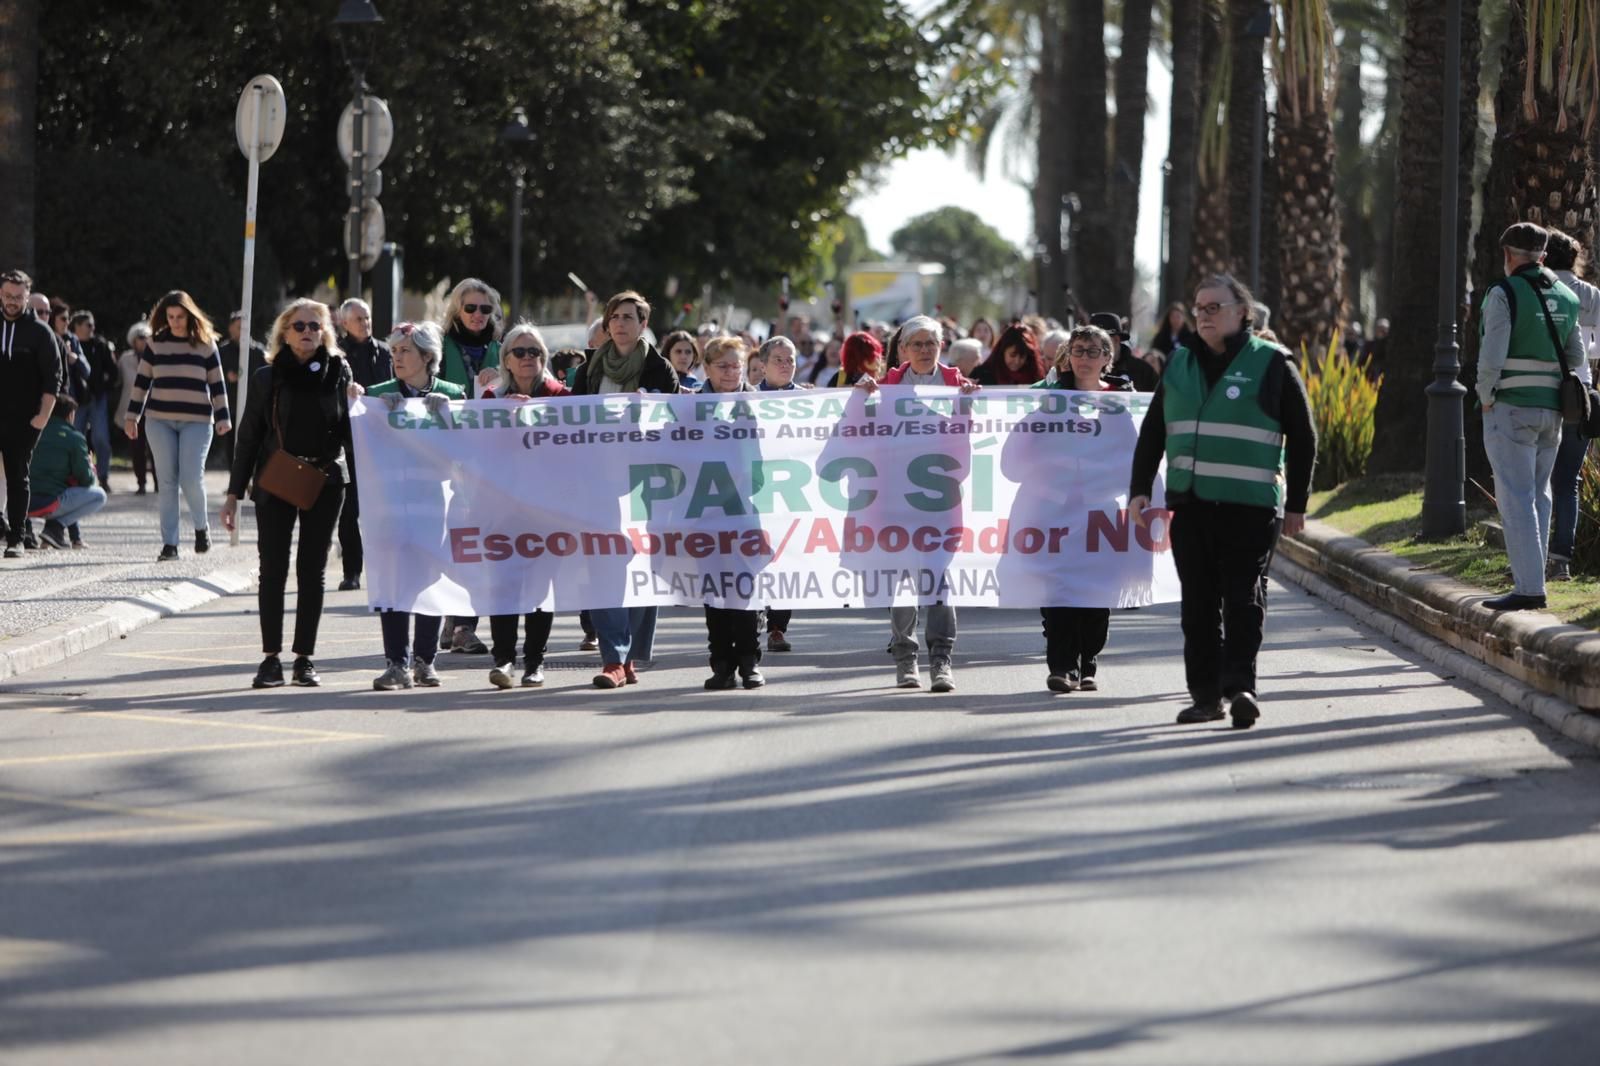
[179,392]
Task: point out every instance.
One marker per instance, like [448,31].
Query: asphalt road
[1390,869]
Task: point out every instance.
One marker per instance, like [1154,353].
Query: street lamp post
[354,24]
[515,136]
[1444,504]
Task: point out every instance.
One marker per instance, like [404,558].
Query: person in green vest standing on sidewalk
[1232,420]
[1529,327]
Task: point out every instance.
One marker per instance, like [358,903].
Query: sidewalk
[57,603]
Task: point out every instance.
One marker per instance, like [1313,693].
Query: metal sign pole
[254,155]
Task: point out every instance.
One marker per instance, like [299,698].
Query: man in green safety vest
[1529,326]
[1232,420]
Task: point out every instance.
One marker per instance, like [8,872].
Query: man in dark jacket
[1126,364]
[105,386]
[30,375]
[370,363]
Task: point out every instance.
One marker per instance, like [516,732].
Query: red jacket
[551,387]
[951,375]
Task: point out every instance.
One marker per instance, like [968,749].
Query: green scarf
[625,370]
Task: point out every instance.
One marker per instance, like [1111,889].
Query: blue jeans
[94,421]
[1521,443]
[626,633]
[179,449]
[79,502]
[1564,490]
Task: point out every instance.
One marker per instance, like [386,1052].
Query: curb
[1532,646]
[57,643]
[1563,717]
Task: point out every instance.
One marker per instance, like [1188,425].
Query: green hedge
[115,232]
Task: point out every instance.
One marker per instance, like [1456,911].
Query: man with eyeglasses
[1233,422]
[30,376]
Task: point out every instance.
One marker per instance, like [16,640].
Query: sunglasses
[476,309]
[525,353]
[306,327]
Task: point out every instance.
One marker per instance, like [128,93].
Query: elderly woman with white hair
[297,403]
[128,364]
[417,349]
[920,341]
[471,330]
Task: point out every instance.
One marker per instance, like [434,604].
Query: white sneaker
[905,675]
[500,675]
[395,677]
[944,678]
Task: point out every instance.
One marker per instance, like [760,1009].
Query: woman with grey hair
[471,330]
[417,350]
[782,359]
[524,367]
[128,364]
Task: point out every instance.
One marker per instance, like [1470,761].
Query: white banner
[802,499]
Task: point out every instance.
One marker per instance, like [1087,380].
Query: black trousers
[779,620]
[1222,551]
[1073,638]
[275,521]
[349,532]
[536,637]
[732,635]
[16,451]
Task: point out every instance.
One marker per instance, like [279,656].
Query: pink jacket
[951,375]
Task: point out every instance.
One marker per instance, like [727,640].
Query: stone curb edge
[1563,717]
[1533,647]
[59,642]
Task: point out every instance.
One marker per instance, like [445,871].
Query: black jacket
[313,410]
[370,361]
[657,375]
[30,367]
[1136,370]
[104,377]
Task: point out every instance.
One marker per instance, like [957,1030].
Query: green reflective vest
[1221,446]
[1532,374]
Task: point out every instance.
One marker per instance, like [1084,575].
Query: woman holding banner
[1075,636]
[624,363]
[296,404]
[416,348]
[522,377]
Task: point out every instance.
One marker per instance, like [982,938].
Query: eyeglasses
[1087,353]
[306,327]
[920,346]
[525,353]
[1211,309]
[780,360]
[476,309]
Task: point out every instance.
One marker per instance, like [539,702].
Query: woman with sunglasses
[180,394]
[416,349]
[1074,637]
[522,376]
[297,402]
[471,336]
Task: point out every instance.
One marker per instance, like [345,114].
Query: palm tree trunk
[1049,187]
[1132,89]
[1210,248]
[1246,99]
[1183,146]
[1084,81]
[1413,298]
[19,79]
[1354,172]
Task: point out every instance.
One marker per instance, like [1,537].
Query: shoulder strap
[1504,285]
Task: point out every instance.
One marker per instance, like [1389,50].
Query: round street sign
[273,111]
[377,131]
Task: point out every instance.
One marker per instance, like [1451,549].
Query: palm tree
[1211,248]
[1127,159]
[1542,169]
[19,79]
[1246,102]
[1183,145]
[1413,298]
[1083,79]
[1310,253]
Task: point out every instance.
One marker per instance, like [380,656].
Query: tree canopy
[981,266]
[702,141]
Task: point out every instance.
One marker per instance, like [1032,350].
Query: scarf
[474,345]
[307,377]
[625,370]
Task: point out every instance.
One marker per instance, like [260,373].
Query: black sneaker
[269,674]
[1244,710]
[723,676]
[169,552]
[350,584]
[202,541]
[1202,711]
[750,673]
[54,534]
[13,549]
[305,673]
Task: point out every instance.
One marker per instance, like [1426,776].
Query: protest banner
[802,499]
